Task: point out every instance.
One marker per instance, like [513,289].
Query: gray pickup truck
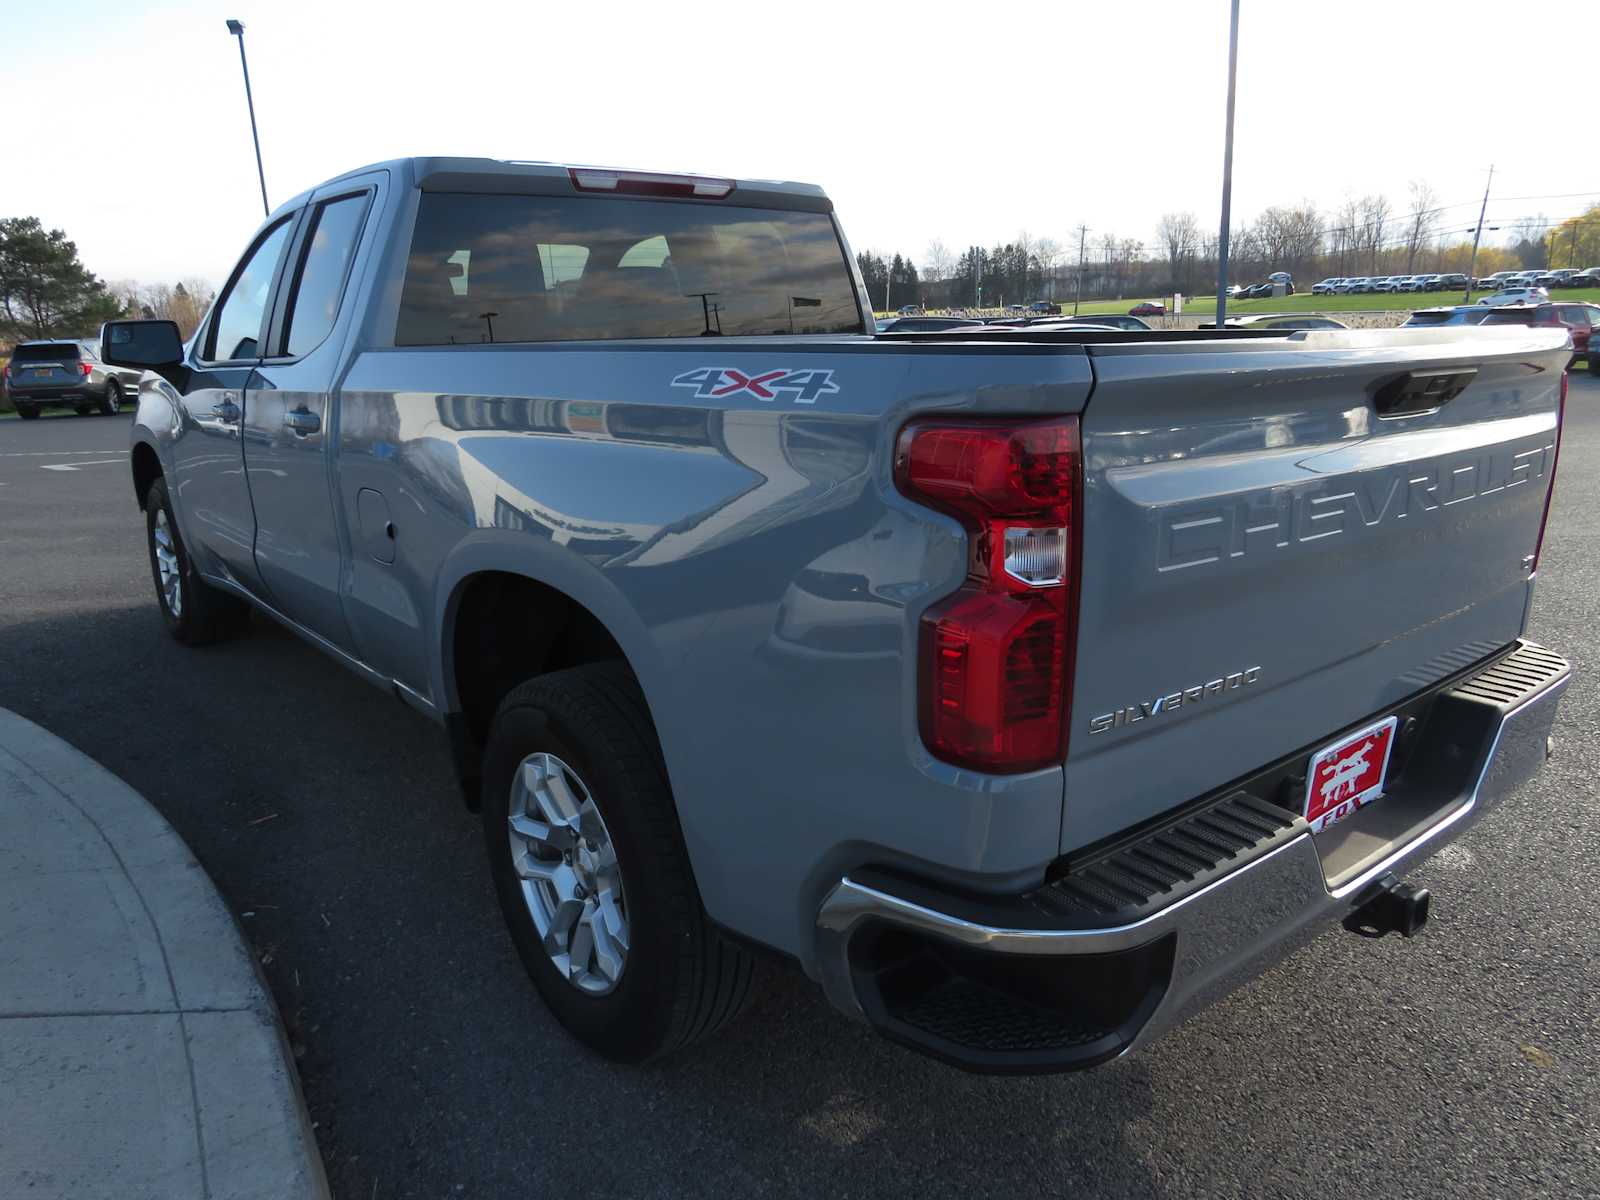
[1027,688]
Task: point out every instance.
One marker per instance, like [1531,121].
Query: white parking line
[54,453]
[77,466]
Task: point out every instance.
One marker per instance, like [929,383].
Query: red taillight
[648,183]
[995,667]
[1555,461]
[83,369]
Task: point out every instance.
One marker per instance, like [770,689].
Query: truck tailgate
[1266,560]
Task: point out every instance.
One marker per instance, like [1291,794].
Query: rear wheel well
[146,470]
[508,629]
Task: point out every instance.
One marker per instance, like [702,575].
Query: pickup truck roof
[493,175]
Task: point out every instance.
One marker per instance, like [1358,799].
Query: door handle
[302,420]
[1418,392]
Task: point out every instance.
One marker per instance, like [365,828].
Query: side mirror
[151,345]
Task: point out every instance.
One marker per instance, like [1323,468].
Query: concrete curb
[141,1052]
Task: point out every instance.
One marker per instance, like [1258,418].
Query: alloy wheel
[563,855]
[166,548]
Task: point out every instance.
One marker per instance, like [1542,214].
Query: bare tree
[1375,213]
[1179,236]
[1049,254]
[1422,215]
[937,261]
[1109,242]
[1345,234]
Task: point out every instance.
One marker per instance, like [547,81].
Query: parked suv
[1514,293]
[1579,319]
[66,372]
[1327,286]
[1460,314]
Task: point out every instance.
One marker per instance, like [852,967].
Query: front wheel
[195,612]
[591,871]
[111,403]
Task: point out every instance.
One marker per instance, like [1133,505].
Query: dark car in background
[1460,314]
[67,372]
[1045,308]
[924,324]
[1579,319]
[1105,321]
[1148,308]
[1454,279]
[1277,321]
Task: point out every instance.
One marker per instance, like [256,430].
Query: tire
[83,410]
[111,402]
[195,612]
[677,979]
[27,412]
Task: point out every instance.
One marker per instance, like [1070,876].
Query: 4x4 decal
[714,383]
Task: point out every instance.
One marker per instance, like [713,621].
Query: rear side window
[1574,314]
[1509,316]
[46,352]
[319,282]
[551,268]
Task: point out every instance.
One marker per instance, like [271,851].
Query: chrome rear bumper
[1228,931]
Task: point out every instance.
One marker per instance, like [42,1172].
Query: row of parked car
[1499,281]
[1580,320]
[1340,285]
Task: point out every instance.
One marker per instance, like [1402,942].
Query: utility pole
[888,285]
[1083,236]
[237,29]
[1472,266]
[1227,172]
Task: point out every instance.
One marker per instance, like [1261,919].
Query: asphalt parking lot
[1459,1064]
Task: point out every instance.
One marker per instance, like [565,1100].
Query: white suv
[1517,295]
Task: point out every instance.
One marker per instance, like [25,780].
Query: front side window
[541,268]
[331,244]
[236,332]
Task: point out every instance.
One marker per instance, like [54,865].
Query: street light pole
[237,29]
[1477,234]
[1083,241]
[1227,173]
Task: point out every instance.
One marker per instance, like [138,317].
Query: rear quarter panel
[751,557]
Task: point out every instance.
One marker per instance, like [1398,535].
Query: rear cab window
[509,268]
[330,245]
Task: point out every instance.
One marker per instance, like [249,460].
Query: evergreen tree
[44,290]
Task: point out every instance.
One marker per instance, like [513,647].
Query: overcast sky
[964,121]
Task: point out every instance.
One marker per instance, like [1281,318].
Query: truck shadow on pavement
[327,815]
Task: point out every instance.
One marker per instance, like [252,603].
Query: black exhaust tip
[1390,906]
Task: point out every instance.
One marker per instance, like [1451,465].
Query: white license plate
[1348,774]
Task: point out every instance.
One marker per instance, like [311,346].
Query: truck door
[288,436]
[206,454]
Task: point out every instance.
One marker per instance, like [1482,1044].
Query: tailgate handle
[1421,391]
